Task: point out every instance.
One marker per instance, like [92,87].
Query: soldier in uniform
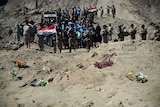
[18,32]
[60,41]
[113,11]
[33,30]
[41,42]
[105,34]
[65,38]
[54,43]
[108,10]
[132,31]
[88,39]
[27,34]
[143,32]
[157,33]
[110,32]
[101,9]
[97,31]
[72,39]
[121,32]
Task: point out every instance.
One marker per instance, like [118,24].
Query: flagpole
[56,35]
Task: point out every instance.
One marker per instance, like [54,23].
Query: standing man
[143,32]
[79,12]
[78,38]
[54,38]
[41,40]
[18,32]
[110,32]
[121,33]
[113,11]
[108,9]
[72,39]
[65,38]
[157,33]
[132,31]
[27,34]
[33,31]
[105,34]
[60,41]
[36,4]
[88,39]
[101,9]
[98,36]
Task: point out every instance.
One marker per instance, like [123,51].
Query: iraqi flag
[92,9]
[46,30]
[50,14]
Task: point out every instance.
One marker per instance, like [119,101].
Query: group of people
[27,30]
[111,10]
[73,27]
[76,28]
[142,32]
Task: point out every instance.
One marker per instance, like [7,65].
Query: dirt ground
[87,86]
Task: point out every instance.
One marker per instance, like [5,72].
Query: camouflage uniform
[54,44]
[121,33]
[113,11]
[110,32]
[72,39]
[88,40]
[60,41]
[18,32]
[104,34]
[157,33]
[41,42]
[132,32]
[143,32]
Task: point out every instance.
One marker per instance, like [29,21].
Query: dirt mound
[73,80]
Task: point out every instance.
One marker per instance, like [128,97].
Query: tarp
[50,14]
[92,9]
[46,30]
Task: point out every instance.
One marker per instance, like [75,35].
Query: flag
[50,14]
[92,9]
[46,30]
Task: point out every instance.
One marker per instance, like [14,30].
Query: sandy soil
[88,87]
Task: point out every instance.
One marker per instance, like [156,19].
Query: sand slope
[107,87]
